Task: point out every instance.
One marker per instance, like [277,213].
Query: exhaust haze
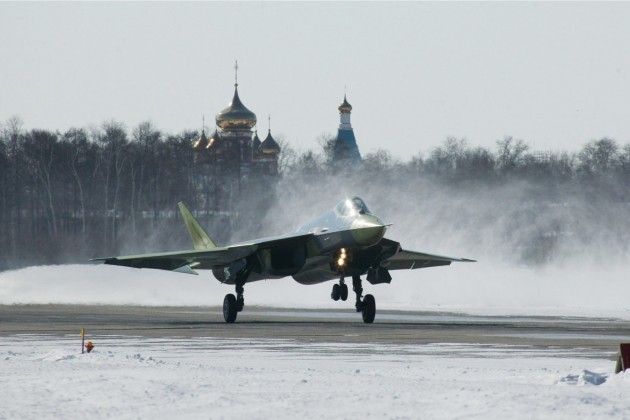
[480,288]
[540,251]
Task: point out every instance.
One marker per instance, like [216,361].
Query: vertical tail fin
[200,238]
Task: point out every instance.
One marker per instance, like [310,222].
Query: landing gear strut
[232,305]
[340,291]
[367,306]
[240,300]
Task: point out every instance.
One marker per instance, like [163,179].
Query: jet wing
[409,260]
[186,261]
[173,261]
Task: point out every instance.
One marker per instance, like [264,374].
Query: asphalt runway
[561,334]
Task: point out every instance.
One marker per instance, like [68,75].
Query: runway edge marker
[623,358]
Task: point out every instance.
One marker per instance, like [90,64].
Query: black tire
[229,308]
[369,309]
[343,292]
[335,292]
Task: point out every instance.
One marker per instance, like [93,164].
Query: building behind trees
[68,197]
[345,151]
[233,160]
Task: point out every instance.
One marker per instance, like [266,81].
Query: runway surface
[588,335]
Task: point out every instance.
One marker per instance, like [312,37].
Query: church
[235,157]
[234,147]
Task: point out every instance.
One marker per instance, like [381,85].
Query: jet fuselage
[337,237]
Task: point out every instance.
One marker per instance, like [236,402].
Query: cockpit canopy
[352,206]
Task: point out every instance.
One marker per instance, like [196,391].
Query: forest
[102,191]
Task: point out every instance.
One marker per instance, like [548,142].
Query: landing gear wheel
[369,309]
[343,292]
[336,292]
[230,308]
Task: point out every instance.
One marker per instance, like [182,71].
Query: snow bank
[47,377]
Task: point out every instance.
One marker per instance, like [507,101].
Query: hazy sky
[554,74]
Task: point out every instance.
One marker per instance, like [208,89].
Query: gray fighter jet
[347,241]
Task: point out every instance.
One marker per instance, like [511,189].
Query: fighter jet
[347,241]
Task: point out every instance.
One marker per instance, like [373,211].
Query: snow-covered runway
[505,344]
[135,377]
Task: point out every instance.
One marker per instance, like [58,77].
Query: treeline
[70,196]
[455,161]
[509,204]
[67,197]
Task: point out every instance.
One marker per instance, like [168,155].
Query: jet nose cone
[368,230]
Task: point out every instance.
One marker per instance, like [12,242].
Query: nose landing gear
[340,291]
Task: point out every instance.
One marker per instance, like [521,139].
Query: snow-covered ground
[132,377]
[126,377]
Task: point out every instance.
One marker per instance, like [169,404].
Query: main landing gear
[232,305]
[367,305]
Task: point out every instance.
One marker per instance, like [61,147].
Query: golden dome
[269,146]
[215,144]
[236,116]
[201,141]
[345,107]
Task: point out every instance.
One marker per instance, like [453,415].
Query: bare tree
[378,161]
[624,161]
[510,153]
[113,142]
[444,159]
[143,155]
[40,148]
[76,157]
[308,163]
[327,143]
[599,156]
[287,156]
[13,131]
[4,174]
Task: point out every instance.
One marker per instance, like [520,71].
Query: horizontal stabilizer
[410,260]
[186,269]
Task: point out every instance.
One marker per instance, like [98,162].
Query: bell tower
[346,150]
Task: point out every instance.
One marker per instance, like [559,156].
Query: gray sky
[554,74]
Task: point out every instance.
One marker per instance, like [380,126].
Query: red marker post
[623,359]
